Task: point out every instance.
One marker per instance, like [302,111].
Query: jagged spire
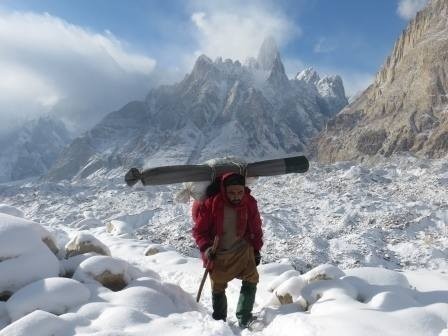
[309,75]
[268,54]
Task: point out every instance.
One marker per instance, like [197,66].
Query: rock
[323,272]
[51,244]
[119,227]
[290,290]
[112,273]
[84,243]
[405,109]
[326,290]
[69,265]
[153,249]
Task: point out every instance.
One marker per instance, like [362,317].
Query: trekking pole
[207,266]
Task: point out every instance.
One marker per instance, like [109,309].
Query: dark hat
[235,179]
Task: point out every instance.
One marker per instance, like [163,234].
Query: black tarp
[196,173]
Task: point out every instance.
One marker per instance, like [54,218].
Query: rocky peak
[202,67]
[309,76]
[268,54]
[277,78]
[431,19]
[405,110]
[331,86]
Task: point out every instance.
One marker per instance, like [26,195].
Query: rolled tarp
[197,173]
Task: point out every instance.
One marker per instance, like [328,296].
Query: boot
[219,301]
[246,303]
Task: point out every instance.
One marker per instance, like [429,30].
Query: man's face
[235,193]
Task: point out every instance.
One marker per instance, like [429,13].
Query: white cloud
[46,62]
[236,29]
[408,8]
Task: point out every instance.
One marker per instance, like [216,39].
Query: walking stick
[207,266]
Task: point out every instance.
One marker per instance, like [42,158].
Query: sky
[82,59]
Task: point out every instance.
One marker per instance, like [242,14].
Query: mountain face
[32,149]
[406,108]
[221,108]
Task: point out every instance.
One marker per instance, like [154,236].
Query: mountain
[406,108]
[221,108]
[31,150]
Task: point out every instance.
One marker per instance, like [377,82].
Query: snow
[10,210]
[24,258]
[361,250]
[53,295]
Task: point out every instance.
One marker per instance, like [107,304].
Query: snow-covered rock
[120,228]
[380,276]
[290,290]
[53,295]
[153,249]
[326,290]
[282,278]
[88,223]
[323,272]
[69,265]
[109,272]
[24,258]
[38,323]
[84,242]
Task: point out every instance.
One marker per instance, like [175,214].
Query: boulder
[83,243]
[24,258]
[112,273]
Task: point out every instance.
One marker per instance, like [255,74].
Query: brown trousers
[228,266]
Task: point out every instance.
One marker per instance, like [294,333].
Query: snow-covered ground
[383,228]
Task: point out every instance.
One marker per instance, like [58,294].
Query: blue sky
[158,41]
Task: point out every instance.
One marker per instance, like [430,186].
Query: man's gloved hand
[210,254]
[257,258]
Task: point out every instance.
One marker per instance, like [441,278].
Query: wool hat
[235,179]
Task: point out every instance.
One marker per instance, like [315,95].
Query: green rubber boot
[246,303]
[219,301]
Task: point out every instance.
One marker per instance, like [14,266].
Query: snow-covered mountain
[406,108]
[222,107]
[31,149]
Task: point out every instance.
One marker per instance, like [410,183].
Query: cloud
[408,8]
[236,29]
[48,64]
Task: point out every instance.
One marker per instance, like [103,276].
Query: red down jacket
[208,217]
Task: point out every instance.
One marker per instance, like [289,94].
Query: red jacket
[208,217]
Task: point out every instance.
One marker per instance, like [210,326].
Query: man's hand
[210,254]
[257,258]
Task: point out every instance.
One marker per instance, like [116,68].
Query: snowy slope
[32,149]
[384,227]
